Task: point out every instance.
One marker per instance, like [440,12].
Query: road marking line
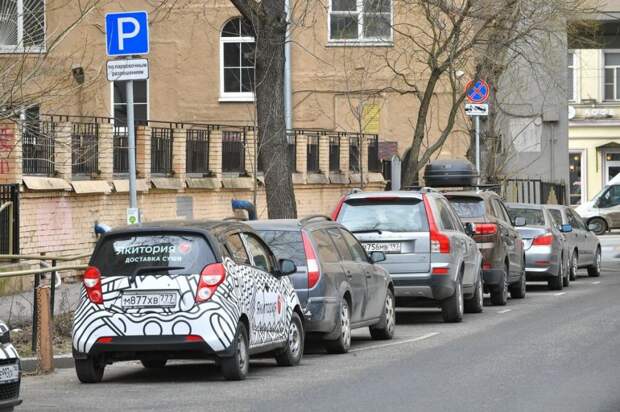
[504,311]
[559,294]
[596,283]
[419,338]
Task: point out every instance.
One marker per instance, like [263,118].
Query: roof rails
[424,189]
[313,217]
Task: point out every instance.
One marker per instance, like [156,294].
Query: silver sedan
[546,255]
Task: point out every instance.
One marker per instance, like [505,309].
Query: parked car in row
[581,241]
[182,290]
[546,254]
[602,213]
[10,371]
[503,256]
[429,254]
[339,285]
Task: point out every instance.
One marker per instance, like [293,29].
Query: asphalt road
[553,351]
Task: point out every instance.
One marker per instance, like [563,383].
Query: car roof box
[450,173]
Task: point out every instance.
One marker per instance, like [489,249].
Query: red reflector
[542,262]
[486,266]
[485,228]
[105,339]
[440,271]
[193,338]
[543,240]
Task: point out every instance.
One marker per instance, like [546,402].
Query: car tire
[154,363]
[557,282]
[499,293]
[573,262]
[235,367]
[384,329]
[518,290]
[343,343]
[476,303]
[594,271]
[294,350]
[567,275]
[89,370]
[599,225]
[452,309]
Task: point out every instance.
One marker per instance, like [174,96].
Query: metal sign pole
[478,146]
[133,197]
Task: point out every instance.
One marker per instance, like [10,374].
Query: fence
[534,191]
[84,149]
[161,151]
[354,153]
[292,151]
[120,148]
[233,151]
[197,151]
[38,147]
[313,153]
[9,219]
[334,153]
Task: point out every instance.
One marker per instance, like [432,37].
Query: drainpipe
[288,110]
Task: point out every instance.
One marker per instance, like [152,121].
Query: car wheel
[557,282]
[236,367]
[294,350]
[567,275]
[154,363]
[89,370]
[452,308]
[518,290]
[343,343]
[574,265]
[499,293]
[385,328]
[476,303]
[599,226]
[595,270]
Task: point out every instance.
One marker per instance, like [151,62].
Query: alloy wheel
[242,353]
[574,265]
[294,339]
[390,313]
[480,293]
[459,297]
[345,324]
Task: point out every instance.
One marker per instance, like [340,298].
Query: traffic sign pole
[477,94]
[133,195]
[478,147]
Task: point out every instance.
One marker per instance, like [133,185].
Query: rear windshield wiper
[367,231]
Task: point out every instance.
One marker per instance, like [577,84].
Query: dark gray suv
[339,285]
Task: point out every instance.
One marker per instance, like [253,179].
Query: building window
[22,26]
[577,177]
[360,21]
[612,76]
[140,102]
[612,165]
[572,77]
[237,61]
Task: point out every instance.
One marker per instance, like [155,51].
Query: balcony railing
[38,146]
[197,151]
[161,151]
[85,149]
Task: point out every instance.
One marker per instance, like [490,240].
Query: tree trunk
[271,35]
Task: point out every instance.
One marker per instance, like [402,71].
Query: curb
[64,361]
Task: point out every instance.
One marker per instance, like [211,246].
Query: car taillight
[314,274]
[543,240]
[210,278]
[485,228]
[439,271]
[440,243]
[336,211]
[92,284]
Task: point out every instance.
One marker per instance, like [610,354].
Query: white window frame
[584,174]
[616,68]
[148,100]
[19,47]
[234,96]
[361,40]
[575,66]
[608,163]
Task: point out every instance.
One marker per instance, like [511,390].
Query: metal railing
[120,149]
[313,153]
[354,153]
[161,150]
[374,163]
[233,151]
[38,146]
[334,153]
[85,149]
[292,151]
[197,151]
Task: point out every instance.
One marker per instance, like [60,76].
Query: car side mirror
[287,267]
[566,228]
[520,221]
[470,229]
[377,256]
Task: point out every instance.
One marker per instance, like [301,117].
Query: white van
[602,213]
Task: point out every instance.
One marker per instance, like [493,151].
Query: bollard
[45,351]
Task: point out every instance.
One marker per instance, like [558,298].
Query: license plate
[9,373]
[393,247]
[130,300]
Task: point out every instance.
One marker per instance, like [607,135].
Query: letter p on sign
[127,33]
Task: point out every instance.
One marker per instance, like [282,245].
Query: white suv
[185,290]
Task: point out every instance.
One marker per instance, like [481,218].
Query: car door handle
[368,275]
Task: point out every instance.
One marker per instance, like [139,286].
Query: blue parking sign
[127,33]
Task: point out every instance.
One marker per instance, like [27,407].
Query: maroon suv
[499,242]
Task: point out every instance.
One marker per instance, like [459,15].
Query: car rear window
[285,244]
[391,215]
[533,217]
[467,207]
[141,254]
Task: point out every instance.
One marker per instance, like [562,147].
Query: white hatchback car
[185,290]
[10,371]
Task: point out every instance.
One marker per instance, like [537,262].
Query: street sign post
[477,94]
[127,34]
